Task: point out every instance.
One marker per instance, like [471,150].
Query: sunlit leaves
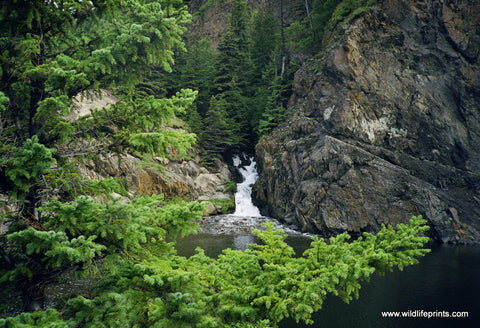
[3,101]
[265,283]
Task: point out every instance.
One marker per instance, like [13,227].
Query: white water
[247,216]
[243,197]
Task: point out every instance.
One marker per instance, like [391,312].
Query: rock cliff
[210,19]
[384,125]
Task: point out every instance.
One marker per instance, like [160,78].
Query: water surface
[447,279]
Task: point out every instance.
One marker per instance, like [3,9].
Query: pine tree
[265,37]
[254,288]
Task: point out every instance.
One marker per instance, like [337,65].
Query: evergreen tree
[233,80]
[220,133]
[255,288]
[51,51]
[265,37]
[198,70]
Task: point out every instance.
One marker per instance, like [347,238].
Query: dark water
[446,280]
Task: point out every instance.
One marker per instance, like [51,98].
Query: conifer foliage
[50,51]
[63,225]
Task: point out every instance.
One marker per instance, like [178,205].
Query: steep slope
[384,125]
[210,18]
[144,175]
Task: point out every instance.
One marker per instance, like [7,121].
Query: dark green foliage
[231,187]
[306,34]
[242,72]
[196,68]
[271,118]
[52,50]
[265,41]
[274,108]
[251,70]
[220,131]
[233,70]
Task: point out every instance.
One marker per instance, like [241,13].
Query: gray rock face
[161,176]
[383,126]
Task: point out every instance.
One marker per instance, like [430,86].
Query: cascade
[246,215]
[243,196]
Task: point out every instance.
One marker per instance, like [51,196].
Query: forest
[176,92]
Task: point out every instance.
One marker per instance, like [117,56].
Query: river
[445,282]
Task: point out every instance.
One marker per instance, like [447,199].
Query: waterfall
[247,216]
[243,196]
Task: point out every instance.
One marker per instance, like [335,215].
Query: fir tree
[51,51]
[234,74]
[219,135]
[265,37]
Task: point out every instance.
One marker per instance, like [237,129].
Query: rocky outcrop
[383,126]
[162,176]
[146,176]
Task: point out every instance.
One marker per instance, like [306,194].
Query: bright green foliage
[3,100]
[227,205]
[144,284]
[50,52]
[82,232]
[50,318]
[268,282]
[263,284]
[25,165]
[349,9]
[142,124]
[53,50]
[133,227]
[55,246]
